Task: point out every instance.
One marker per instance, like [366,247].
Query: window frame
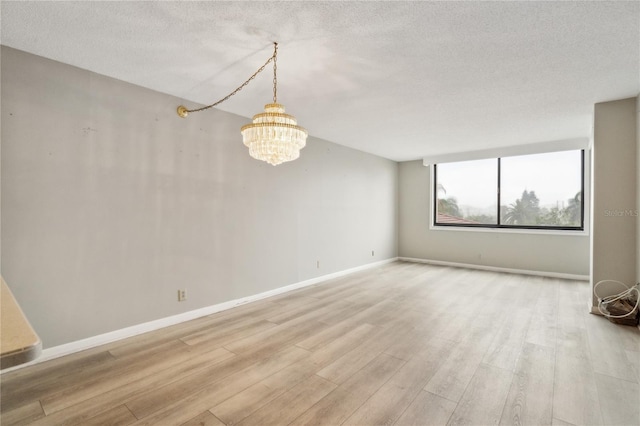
[499,225]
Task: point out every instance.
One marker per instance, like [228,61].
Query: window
[541,191]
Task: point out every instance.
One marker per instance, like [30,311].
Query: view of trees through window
[540,191]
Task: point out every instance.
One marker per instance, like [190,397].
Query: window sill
[562,232]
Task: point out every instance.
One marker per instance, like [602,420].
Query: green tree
[447,205]
[573,211]
[524,211]
[552,217]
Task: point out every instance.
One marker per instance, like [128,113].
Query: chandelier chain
[275,73]
[272,58]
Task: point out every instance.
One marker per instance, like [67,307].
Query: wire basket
[625,308]
[622,308]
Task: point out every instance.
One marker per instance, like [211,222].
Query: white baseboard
[497,269]
[91,342]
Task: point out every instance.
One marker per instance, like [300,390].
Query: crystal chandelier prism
[273,136]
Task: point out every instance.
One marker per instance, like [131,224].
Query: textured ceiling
[398,79]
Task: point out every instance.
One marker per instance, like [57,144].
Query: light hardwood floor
[401,344]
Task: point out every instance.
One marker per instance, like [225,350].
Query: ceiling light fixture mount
[273,136]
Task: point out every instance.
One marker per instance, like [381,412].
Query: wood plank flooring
[402,344]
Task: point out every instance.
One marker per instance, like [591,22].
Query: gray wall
[111,202]
[615,187]
[566,254]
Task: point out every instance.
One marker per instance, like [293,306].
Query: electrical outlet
[373,253]
[318,264]
[182,295]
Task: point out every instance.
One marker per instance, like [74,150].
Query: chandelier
[273,136]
